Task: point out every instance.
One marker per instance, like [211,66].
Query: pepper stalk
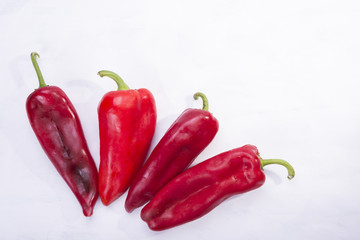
[33,56]
[204,99]
[290,169]
[119,81]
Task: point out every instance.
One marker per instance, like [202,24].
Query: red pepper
[127,121]
[198,190]
[191,132]
[57,127]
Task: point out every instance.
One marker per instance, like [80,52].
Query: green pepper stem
[291,171]
[204,99]
[34,55]
[120,83]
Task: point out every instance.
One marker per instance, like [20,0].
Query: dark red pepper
[187,137]
[57,127]
[127,121]
[198,190]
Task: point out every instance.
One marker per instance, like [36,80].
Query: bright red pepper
[57,127]
[127,121]
[198,190]
[187,137]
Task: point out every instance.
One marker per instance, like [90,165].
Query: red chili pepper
[127,121]
[57,127]
[198,190]
[191,132]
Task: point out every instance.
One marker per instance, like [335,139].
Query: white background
[282,75]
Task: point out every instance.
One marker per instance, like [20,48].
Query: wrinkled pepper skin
[191,132]
[57,127]
[127,120]
[201,188]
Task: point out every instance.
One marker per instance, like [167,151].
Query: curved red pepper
[127,121]
[57,127]
[187,137]
[198,190]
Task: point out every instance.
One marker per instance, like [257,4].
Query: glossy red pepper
[187,137]
[57,127]
[127,121]
[198,190]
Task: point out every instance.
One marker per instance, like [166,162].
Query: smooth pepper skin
[201,188]
[191,132]
[57,127]
[127,120]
